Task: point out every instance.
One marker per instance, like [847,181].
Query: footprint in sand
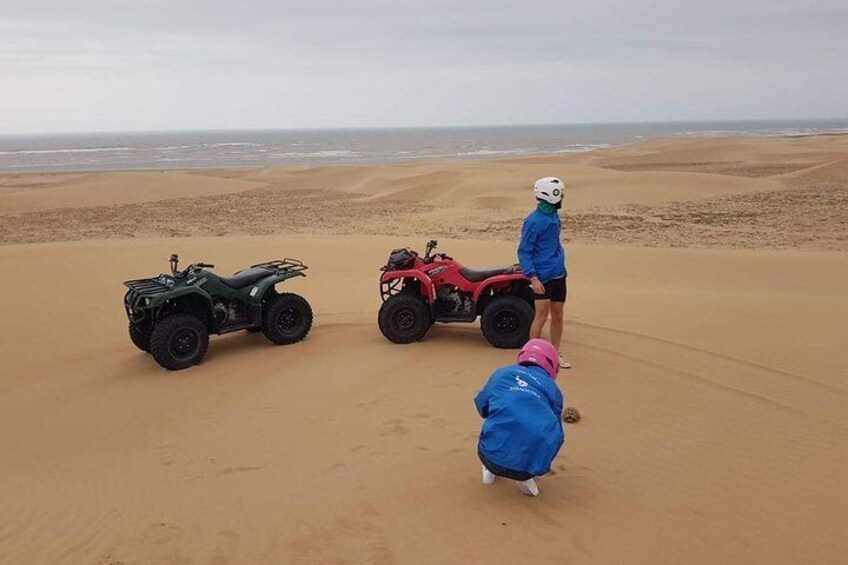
[394,427]
[243,469]
[161,533]
[167,453]
[373,401]
[441,422]
[225,546]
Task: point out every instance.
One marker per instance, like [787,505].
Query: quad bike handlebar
[175,266]
[431,245]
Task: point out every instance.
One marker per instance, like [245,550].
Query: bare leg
[543,308]
[556,323]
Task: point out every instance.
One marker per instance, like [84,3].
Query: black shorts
[499,471]
[555,290]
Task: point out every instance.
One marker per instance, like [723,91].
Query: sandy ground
[712,382]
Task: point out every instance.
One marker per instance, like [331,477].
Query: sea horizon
[223,148]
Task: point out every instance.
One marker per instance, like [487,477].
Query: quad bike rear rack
[287,265]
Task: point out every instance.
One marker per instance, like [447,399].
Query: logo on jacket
[520,382]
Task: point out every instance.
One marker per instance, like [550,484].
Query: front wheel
[404,318]
[506,321]
[179,341]
[287,318]
[139,338]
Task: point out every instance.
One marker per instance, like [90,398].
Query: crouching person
[522,410]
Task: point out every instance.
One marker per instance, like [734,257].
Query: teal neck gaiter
[547,207]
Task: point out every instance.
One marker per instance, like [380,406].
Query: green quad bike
[171,316]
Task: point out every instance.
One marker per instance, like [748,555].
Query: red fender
[496,280]
[428,290]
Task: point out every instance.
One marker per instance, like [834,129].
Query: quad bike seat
[477,276]
[246,277]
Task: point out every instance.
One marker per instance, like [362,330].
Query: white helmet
[549,189]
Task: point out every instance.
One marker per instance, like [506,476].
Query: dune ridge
[727,192]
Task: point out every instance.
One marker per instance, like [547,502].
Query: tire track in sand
[779,388]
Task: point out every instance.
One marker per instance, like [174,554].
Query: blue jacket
[523,431]
[540,251]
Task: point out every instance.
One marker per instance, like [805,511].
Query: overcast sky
[91,65]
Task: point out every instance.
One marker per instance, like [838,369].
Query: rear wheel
[139,338]
[179,341]
[506,321]
[404,318]
[287,318]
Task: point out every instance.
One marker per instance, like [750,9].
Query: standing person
[522,408]
[542,260]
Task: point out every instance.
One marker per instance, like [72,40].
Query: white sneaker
[488,477]
[528,487]
[563,362]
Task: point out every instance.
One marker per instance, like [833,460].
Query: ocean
[259,148]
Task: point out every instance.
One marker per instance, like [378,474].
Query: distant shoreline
[401,163]
[248,149]
[823,134]
[420,161]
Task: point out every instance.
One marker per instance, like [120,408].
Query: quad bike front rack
[390,288]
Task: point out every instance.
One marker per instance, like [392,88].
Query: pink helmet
[541,353]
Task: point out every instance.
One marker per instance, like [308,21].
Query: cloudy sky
[92,65]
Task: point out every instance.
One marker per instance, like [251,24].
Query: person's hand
[537,285]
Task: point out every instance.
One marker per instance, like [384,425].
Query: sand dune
[502,184]
[829,171]
[38,192]
[711,381]
[723,149]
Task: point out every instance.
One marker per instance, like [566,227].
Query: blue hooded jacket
[522,407]
[540,251]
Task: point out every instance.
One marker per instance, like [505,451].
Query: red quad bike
[418,291]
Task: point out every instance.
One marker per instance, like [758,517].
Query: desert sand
[706,322]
